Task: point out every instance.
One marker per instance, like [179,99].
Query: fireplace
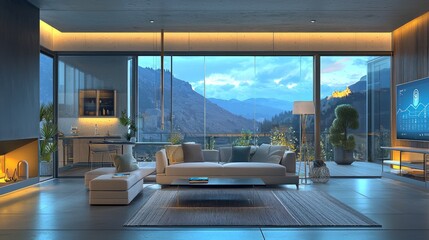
[19,164]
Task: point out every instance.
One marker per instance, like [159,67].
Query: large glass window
[188,98]
[47,123]
[221,97]
[151,126]
[93,91]
[363,82]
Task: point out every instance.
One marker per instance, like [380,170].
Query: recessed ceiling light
[313,21]
[151,21]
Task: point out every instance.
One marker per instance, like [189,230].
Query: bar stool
[103,149]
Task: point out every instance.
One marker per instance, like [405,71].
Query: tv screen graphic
[412,102]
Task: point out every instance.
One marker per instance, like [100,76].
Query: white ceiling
[229,15]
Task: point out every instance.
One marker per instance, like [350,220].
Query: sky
[243,77]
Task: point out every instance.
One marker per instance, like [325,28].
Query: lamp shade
[303,107]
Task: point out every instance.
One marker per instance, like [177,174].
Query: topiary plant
[346,117]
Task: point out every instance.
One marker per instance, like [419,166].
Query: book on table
[121,175]
[198,180]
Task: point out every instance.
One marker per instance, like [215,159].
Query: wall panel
[19,70]
[410,62]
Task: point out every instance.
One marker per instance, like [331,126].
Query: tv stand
[412,165]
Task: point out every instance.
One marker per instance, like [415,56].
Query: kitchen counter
[75,147]
[89,136]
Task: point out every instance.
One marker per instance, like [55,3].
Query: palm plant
[130,124]
[48,131]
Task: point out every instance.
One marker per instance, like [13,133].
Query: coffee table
[251,182]
[210,195]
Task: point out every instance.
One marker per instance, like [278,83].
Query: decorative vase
[319,172]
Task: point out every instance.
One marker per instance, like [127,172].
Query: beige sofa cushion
[161,161]
[192,152]
[253,169]
[174,154]
[194,169]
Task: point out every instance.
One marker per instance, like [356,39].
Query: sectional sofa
[273,164]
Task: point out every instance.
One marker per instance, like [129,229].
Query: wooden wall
[19,70]
[410,62]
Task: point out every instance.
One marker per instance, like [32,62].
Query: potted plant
[283,137]
[210,145]
[245,139]
[346,117]
[175,137]
[48,145]
[130,124]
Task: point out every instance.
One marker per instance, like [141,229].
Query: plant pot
[343,157]
[46,168]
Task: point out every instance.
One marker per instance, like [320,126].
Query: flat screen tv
[412,113]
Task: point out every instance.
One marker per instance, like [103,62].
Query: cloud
[335,66]
[266,76]
[278,80]
[291,85]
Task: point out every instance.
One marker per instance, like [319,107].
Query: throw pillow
[275,148]
[261,153]
[275,157]
[174,154]
[253,150]
[225,154]
[192,153]
[240,154]
[125,163]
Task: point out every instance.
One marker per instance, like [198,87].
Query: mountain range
[254,108]
[188,107]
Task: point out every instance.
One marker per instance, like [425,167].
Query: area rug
[246,207]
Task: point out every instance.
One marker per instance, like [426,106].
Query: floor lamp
[303,108]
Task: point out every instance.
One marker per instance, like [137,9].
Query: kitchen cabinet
[97,103]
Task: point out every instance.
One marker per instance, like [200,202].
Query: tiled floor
[357,169]
[59,209]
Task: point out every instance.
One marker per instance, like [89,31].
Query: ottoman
[109,190]
[143,171]
[97,172]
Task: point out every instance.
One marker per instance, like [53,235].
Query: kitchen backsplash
[86,126]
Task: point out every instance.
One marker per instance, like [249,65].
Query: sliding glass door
[47,143]
[362,82]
